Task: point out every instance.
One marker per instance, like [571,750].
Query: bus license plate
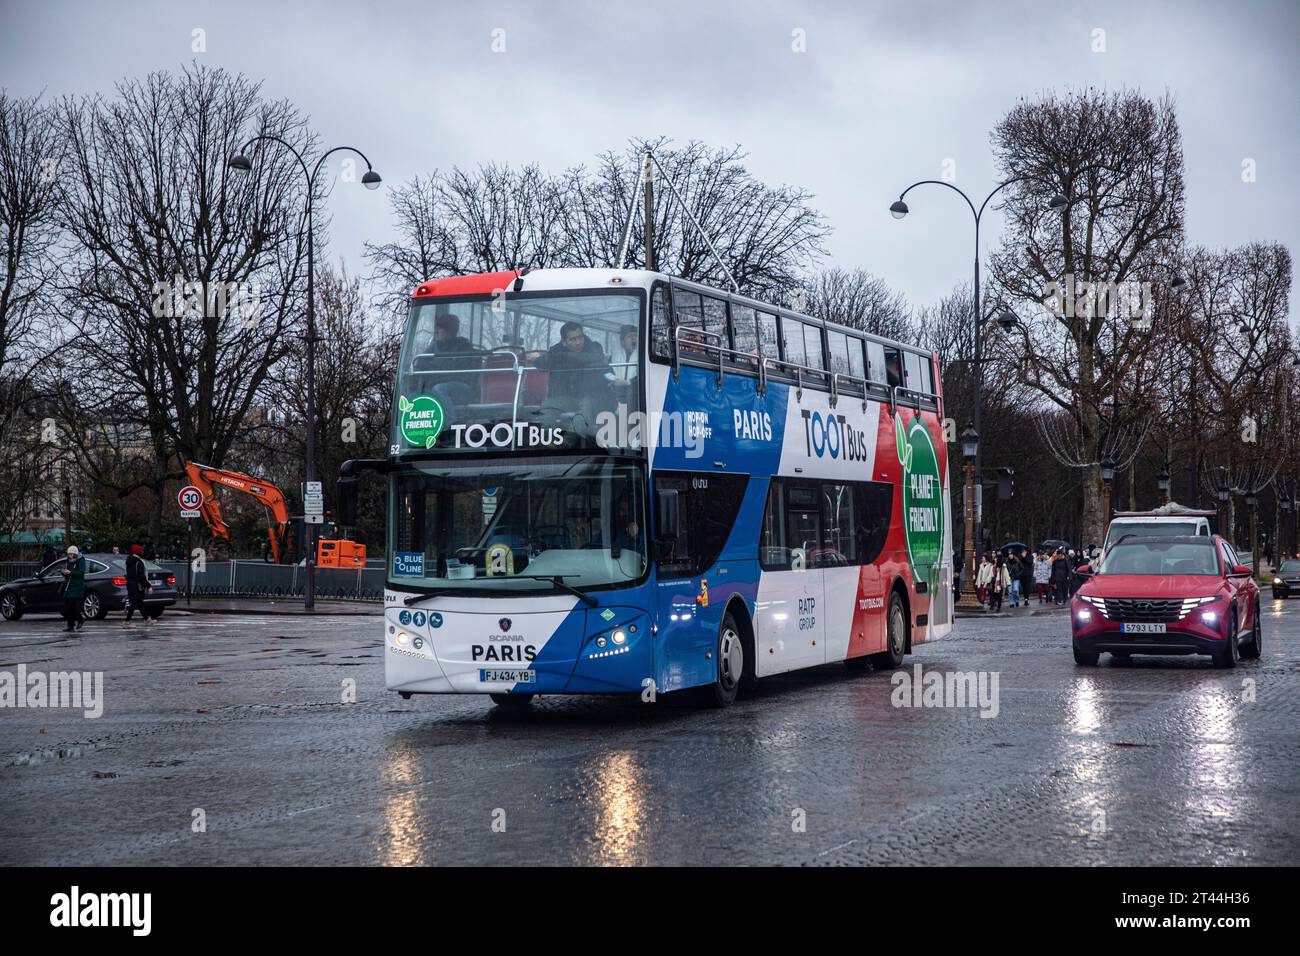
[489,675]
[1142,628]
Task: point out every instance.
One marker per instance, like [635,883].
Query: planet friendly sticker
[922,498]
[421,419]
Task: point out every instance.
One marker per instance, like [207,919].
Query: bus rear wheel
[729,654]
[896,637]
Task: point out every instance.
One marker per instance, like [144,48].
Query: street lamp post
[370,180]
[1162,481]
[1107,478]
[900,209]
[970,445]
[1251,500]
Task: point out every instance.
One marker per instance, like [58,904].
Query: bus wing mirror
[345,502]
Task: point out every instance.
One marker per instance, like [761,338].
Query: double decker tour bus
[607,480]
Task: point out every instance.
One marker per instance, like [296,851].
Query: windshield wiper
[428,593]
[558,581]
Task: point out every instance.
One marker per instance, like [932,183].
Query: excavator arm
[204,477]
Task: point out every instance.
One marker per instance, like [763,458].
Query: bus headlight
[403,637]
[619,636]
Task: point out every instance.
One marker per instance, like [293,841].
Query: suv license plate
[1142,628]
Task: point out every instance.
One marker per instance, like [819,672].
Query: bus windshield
[1161,557]
[517,371]
[512,525]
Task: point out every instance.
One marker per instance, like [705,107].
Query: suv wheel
[1226,656]
[1251,650]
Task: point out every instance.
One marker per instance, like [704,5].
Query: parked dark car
[1168,595]
[105,589]
[1286,580]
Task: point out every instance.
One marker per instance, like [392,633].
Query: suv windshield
[501,526]
[1161,557]
[1151,529]
[518,371]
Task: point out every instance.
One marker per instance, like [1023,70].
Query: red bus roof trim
[484,283]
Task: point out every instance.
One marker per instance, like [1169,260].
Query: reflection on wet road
[1161,761]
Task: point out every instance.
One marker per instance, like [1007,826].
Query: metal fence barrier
[262,580]
[253,579]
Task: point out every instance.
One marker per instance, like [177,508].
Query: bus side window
[803,526]
[715,322]
[767,335]
[745,333]
[876,362]
[773,555]
[661,322]
[893,368]
[792,341]
[857,368]
[839,525]
[875,508]
[694,514]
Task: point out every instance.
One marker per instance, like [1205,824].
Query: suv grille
[1143,610]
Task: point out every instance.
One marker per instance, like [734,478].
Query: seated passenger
[580,377]
[452,390]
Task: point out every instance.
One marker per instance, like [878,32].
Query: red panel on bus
[485,283]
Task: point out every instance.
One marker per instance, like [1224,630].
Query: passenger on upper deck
[451,390]
[580,375]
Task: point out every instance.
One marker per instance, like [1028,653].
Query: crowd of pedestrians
[1013,577]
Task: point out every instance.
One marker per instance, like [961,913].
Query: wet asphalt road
[1165,761]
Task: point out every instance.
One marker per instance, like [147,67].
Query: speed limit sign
[191,499]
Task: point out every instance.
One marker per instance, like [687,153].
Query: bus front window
[504,526]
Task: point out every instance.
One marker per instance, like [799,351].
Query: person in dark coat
[578,366]
[137,584]
[1026,576]
[1061,574]
[74,589]
[49,556]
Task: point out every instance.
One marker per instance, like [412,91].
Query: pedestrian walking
[1042,575]
[1013,578]
[74,589]
[1061,577]
[1026,577]
[1000,584]
[957,562]
[983,578]
[49,556]
[137,585]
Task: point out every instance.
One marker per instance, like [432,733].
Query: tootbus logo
[832,435]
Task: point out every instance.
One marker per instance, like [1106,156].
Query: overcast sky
[884,94]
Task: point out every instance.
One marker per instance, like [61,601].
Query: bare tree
[186,272]
[1118,157]
[498,218]
[30,151]
[856,298]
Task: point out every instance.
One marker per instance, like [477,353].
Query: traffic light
[1006,483]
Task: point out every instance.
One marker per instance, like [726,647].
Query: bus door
[790,612]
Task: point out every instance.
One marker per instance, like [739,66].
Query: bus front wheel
[729,653]
[896,638]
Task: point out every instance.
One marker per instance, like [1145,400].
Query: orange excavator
[204,477]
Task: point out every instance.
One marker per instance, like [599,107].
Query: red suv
[1167,595]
